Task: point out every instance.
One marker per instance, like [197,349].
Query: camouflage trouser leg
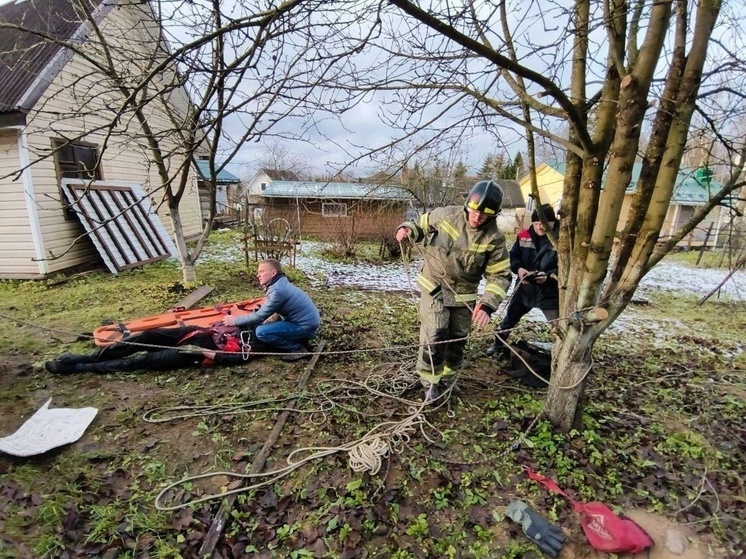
[439,323]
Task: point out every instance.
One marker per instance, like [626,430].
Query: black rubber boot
[498,349]
[73,359]
[431,393]
[448,380]
[59,368]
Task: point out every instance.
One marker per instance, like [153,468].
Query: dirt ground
[119,430]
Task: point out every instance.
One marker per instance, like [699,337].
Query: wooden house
[61,119]
[255,188]
[333,210]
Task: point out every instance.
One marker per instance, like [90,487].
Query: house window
[264,186]
[76,160]
[334,210]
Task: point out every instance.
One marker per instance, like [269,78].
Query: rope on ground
[335,352]
[365,454]
[216,351]
[227,408]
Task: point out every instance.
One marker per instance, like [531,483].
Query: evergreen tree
[487,167]
[518,166]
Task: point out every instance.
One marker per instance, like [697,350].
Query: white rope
[367,456]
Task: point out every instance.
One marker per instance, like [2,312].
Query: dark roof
[29,63]
[512,195]
[280,175]
[224,177]
[334,191]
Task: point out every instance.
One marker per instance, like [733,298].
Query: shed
[333,209]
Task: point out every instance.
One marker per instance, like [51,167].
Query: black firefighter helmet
[486,197]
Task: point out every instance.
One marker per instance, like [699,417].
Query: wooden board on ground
[193,298]
[223,514]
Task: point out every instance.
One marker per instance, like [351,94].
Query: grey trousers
[448,325]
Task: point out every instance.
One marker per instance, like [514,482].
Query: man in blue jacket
[534,260]
[288,317]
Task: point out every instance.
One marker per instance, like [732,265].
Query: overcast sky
[331,141]
[361,126]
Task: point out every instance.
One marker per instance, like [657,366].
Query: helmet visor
[474,205]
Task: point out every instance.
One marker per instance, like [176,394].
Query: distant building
[334,209]
[513,204]
[261,180]
[689,193]
[227,192]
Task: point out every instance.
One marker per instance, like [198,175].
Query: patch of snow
[402,277]
[669,276]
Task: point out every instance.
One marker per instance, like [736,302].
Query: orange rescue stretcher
[175,318]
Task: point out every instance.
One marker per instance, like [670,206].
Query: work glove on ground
[548,537]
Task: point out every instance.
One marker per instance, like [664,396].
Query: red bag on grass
[605,530]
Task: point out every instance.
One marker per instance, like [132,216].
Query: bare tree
[178,81]
[277,155]
[605,73]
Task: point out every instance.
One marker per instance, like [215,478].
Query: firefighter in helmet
[460,246]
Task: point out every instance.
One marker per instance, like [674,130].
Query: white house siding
[125,159]
[16,241]
[254,188]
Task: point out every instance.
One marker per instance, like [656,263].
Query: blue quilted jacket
[287,300]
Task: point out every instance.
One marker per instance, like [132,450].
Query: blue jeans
[284,335]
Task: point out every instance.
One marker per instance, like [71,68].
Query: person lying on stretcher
[284,324]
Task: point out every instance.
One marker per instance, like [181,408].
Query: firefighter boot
[448,381]
[432,393]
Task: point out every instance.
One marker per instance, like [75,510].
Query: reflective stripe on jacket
[457,256]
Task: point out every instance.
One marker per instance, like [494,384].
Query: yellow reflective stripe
[429,377]
[475,206]
[425,283]
[450,230]
[498,267]
[447,371]
[466,297]
[496,289]
[425,222]
[481,247]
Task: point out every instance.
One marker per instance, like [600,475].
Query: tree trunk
[571,365]
[188,269]
[189,272]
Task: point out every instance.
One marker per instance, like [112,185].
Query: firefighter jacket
[457,256]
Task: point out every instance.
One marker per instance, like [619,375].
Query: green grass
[708,258]
[663,408]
